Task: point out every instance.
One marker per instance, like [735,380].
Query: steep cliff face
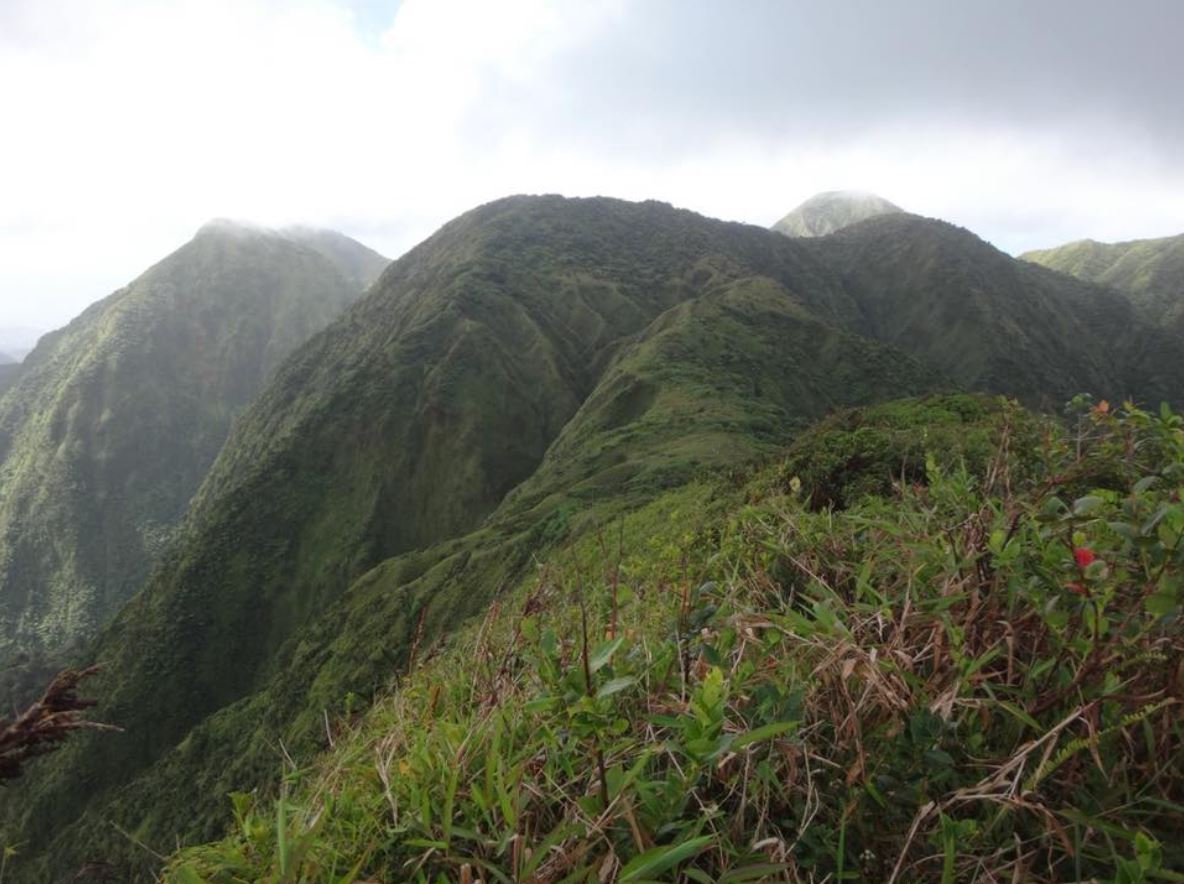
[114,420]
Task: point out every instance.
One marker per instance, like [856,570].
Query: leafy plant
[972,677]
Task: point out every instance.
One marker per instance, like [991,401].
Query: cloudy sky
[128,123]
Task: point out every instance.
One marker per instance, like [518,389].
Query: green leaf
[1145,483]
[1083,506]
[529,627]
[603,653]
[539,704]
[615,686]
[659,859]
[281,839]
[1021,715]
[1155,519]
[1160,604]
[1146,851]
[1124,529]
[549,643]
[761,872]
[352,875]
[764,732]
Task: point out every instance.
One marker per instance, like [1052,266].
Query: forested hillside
[533,374]
[1150,271]
[115,419]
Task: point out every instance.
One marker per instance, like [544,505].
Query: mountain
[9,371]
[827,212]
[116,418]
[538,368]
[1150,271]
[597,348]
[359,264]
[989,322]
[783,673]
[17,342]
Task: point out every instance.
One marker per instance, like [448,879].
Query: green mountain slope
[9,372]
[537,368]
[993,323]
[731,684]
[117,417]
[405,424]
[827,212]
[1151,271]
[359,264]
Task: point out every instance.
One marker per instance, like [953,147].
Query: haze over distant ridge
[833,210]
[135,121]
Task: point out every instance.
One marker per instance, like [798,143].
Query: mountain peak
[359,264]
[231,227]
[833,210]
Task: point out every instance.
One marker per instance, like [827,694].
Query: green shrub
[973,678]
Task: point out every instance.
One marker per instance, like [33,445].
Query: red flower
[1083,555]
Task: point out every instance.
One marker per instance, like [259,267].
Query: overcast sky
[128,123]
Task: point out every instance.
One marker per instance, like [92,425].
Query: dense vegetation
[990,322]
[403,427]
[512,388]
[970,671]
[1151,271]
[116,418]
[9,372]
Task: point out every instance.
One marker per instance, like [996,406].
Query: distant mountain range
[397,462]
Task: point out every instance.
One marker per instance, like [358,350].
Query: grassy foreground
[905,651]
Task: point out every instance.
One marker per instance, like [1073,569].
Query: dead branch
[45,725]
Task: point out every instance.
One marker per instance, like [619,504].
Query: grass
[972,676]
[534,370]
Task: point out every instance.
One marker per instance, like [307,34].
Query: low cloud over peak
[134,121]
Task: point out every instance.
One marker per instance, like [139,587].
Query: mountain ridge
[114,419]
[1014,328]
[538,361]
[450,380]
[1149,271]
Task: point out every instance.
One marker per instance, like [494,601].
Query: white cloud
[128,123]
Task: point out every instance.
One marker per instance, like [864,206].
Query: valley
[305,509]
